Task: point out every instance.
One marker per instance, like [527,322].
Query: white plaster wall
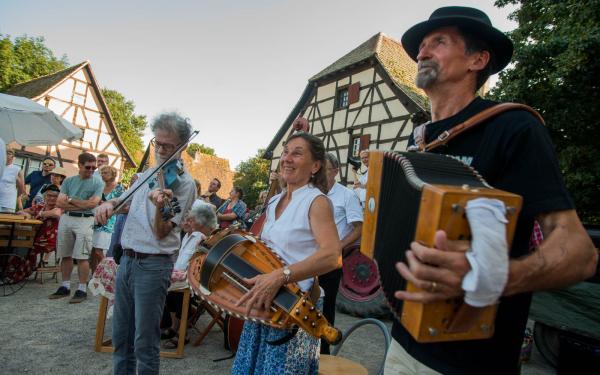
[390,130]
[365,77]
[397,108]
[378,113]
[326,91]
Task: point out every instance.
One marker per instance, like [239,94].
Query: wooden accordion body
[409,197]
[216,271]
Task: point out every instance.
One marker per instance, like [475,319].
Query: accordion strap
[445,137]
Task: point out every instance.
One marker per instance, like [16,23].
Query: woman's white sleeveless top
[8,186]
[290,235]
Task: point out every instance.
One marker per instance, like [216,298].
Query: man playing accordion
[457,49]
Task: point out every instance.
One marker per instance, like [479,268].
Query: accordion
[409,197]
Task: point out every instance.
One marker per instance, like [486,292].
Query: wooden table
[17,231]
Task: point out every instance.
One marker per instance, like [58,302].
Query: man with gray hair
[148,242]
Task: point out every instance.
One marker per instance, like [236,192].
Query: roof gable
[391,55]
[38,87]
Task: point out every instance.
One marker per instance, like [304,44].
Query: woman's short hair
[239,190]
[113,170]
[173,122]
[204,214]
[317,150]
[333,160]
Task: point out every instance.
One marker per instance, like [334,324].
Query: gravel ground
[51,336]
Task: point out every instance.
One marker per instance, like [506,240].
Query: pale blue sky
[235,68]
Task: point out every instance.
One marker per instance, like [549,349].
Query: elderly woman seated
[45,237]
[199,223]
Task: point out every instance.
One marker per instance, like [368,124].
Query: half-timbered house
[365,100]
[74,94]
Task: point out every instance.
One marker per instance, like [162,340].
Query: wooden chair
[105,346]
[334,365]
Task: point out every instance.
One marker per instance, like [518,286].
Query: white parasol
[28,123]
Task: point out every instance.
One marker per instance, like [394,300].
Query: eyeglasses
[90,167]
[48,164]
[165,146]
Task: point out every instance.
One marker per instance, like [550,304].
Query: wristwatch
[286,274]
[69,200]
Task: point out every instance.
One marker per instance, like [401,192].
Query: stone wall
[205,167]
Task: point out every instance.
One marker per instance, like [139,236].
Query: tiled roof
[36,87]
[389,52]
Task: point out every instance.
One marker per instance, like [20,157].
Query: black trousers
[330,282]
[173,303]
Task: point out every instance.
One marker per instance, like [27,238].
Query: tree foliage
[195,147]
[556,70]
[130,126]
[26,58]
[252,175]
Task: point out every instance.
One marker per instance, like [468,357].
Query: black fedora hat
[470,19]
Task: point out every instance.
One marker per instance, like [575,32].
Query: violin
[168,177]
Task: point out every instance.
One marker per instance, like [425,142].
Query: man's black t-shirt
[512,152]
[215,200]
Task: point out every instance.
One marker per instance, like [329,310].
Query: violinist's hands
[263,289]
[438,271]
[103,213]
[159,196]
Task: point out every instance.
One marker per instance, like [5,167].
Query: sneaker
[78,297]
[60,293]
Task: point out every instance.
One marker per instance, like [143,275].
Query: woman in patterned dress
[102,235]
[299,227]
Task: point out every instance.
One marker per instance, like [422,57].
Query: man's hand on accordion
[438,271]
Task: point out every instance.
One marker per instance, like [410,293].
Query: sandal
[168,333]
[172,343]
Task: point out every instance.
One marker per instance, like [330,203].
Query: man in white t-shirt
[348,216]
[360,186]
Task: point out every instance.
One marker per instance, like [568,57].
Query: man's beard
[426,78]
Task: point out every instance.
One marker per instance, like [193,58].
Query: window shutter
[365,141]
[353,93]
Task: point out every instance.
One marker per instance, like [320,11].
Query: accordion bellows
[409,197]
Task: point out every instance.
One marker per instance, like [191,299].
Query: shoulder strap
[475,120]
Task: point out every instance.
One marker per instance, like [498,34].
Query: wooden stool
[105,346]
[334,365]
[217,318]
[55,269]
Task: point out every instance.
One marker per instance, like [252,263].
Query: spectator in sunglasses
[37,179]
[79,194]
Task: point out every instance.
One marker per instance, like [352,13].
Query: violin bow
[130,192]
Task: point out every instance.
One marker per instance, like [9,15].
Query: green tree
[556,70]
[130,126]
[252,175]
[195,147]
[26,58]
